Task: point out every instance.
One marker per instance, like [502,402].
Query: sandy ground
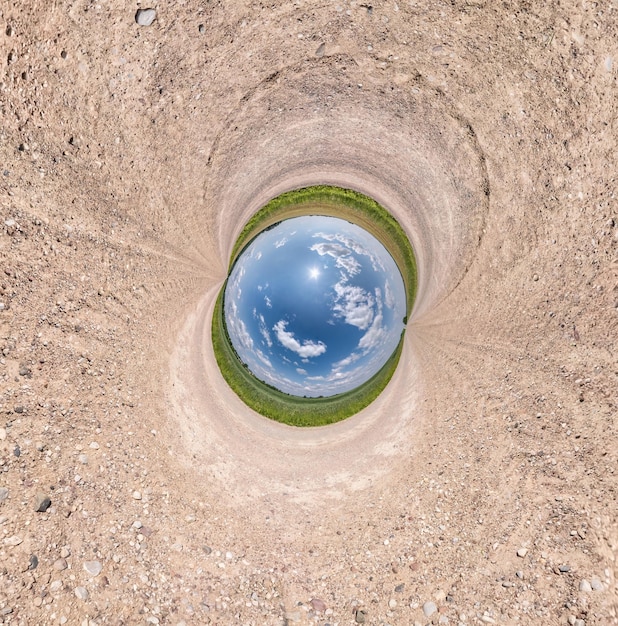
[481,487]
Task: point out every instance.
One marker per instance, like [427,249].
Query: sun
[314,273]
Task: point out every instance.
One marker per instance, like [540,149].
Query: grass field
[265,399]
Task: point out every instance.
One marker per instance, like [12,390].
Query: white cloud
[343,258]
[281,242]
[353,246]
[264,332]
[263,358]
[242,334]
[269,304]
[340,365]
[374,336]
[307,349]
[354,304]
[300,370]
[389,296]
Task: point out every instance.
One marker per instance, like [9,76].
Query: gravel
[41,503]
[81,593]
[93,567]
[145,17]
[429,608]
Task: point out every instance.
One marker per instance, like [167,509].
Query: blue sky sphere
[314,306]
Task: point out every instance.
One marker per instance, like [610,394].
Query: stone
[14,540]
[429,608]
[596,585]
[318,605]
[60,564]
[34,562]
[521,553]
[41,503]
[360,616]
[93,567]
[4,494]
[81,593]
[137,495]
[392,603]
[145,17]
[584,586]
[2,434]
[24,370]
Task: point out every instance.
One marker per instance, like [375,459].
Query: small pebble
[93,567]
[60,564]
[4,494]
[41,503]
[318,605]
[81,593]
[564,569]
[145,17]
[596,584]
[579,622]
[137,495]
[429,608]
[34,562]
[522,552]
[360,616]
